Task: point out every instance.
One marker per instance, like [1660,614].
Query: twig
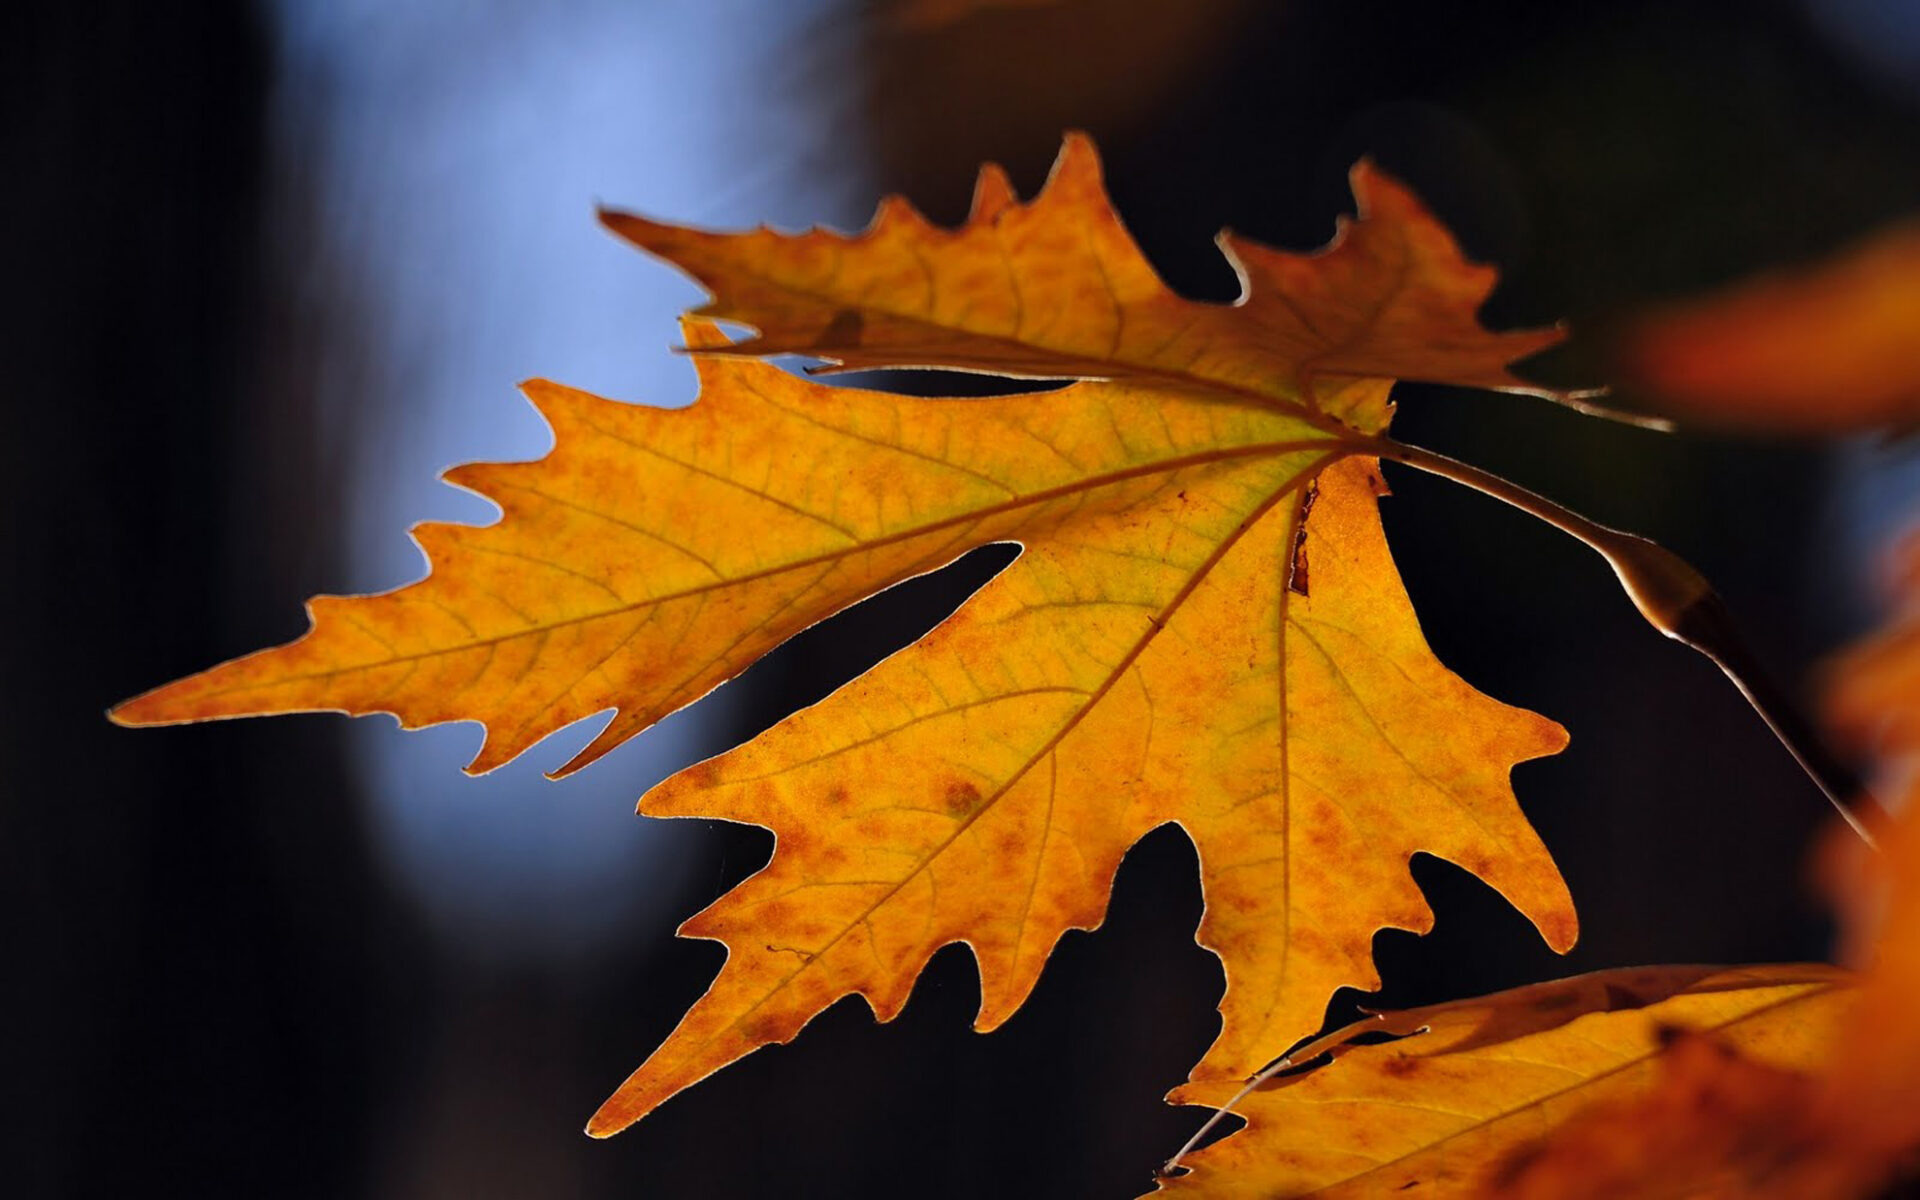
[1679,602]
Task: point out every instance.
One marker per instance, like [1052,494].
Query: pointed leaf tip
[701,333]
[1077,170]
[993,194]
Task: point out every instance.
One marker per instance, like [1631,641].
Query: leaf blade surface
[1448,1111]
[1057,288]
[1204,625]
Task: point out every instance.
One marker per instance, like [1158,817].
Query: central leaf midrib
[1301,407]
[969,362]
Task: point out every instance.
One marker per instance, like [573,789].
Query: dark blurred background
[272,266]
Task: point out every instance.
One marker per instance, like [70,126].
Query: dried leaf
[1185,637]
[1058,289]
[968,794]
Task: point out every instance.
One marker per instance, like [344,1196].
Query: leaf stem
[1679,602]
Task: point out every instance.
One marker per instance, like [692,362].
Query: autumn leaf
[1735,1119]
[1455,1107]
[1825,349]
[1833,346]
[1715,1122]
[1204,625]
[1829,1109]
[1738,1118]
[1058,289]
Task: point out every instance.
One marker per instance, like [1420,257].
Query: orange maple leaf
[1833,1112]
[1204,625]
[1806,1092]
[1058,289]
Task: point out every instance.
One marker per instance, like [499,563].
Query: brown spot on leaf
[797,841]
[1312,944]
[961,797]
[765,1028]
[1323,840]
[1297,580]
[1401,1066]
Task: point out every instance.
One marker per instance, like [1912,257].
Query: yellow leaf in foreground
[1453,1111]
[985,787]
[655,553]
[1204,625]
[1786,1108]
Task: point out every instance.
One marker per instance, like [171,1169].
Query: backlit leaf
[1203,626]
[1057,288]
[1810,1111]
[1454,1109]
